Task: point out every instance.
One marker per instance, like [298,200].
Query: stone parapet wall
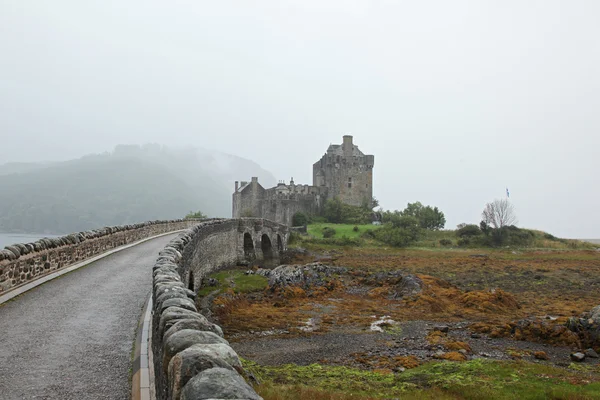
[23,263]
[192,360]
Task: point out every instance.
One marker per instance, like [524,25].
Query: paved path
[71,338]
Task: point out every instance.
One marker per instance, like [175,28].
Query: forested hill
[129,185]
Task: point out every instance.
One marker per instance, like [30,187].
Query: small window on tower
[349,182]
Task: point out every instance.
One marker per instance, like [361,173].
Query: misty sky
[457,99]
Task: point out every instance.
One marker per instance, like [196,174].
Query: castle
[344,172]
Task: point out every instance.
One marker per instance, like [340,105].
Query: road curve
[72,337]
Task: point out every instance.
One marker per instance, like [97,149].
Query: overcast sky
[457,100]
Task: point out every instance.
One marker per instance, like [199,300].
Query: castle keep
[344,172]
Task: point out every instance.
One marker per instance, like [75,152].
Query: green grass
[431,239]
[341,230]
[475,379]
[237,281]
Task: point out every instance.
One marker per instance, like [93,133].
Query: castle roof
[336,149]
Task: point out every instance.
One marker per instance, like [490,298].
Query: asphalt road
[72,338]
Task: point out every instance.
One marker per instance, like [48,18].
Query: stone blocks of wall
[23,263]
[192,360]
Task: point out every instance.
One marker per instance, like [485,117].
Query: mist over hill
[128,185]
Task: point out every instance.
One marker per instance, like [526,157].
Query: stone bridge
[71,337]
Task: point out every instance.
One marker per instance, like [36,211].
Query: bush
[468,231]
[445,242]
[355,229]
[194,215]
[337,212]
[343,241]
[463,242]
[294,238]
[328,232]
[368,234]
[401,231]
[300,219]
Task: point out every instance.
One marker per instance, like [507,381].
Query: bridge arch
[266,247]
[249,252]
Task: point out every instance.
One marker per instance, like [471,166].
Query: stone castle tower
[343,172]
[346,172]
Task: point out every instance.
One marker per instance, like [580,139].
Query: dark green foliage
[445,242]
[337,212]
[195,215]
[355,229]
[494,237]
[400,231]
[468,231]
[343,241]
[464,242]
[294,238]
[428,217]
[328,232]
[300,219]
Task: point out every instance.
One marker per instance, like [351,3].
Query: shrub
[355,229]
[402,231]
[300,219]
[445,242]
[368,234]
[294,238]
[468,231]
[463,242]
[197,214]
[337,212]
[328,232]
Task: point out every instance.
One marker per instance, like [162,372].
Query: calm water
[12,238]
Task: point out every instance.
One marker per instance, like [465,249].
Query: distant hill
[130,184]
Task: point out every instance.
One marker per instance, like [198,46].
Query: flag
[507,193]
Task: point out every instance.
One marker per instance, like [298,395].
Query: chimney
[237,185]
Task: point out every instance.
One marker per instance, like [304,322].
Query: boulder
[197,324]
[184,303]
[442,328]
[172,314]
[218,383]
[577,357]
[591,353]
[185,338]
[187,364]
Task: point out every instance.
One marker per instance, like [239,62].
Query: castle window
[349,183]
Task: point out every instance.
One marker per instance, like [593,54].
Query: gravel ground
[337,347]
[71,338]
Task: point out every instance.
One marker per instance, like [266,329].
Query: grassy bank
[353,235]
[473,379]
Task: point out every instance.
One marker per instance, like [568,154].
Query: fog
[457,100]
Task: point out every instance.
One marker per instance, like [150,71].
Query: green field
[341,230]
[237,281]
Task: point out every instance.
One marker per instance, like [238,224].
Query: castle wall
[281,207]
[247,202]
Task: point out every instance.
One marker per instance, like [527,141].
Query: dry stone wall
[192,360]
[23,263]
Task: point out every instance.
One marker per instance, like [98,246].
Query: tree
[429,218]
[195,215]
[498,214]
[300,219]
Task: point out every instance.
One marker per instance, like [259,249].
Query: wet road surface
[72,337]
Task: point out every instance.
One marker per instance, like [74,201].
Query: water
[12,238]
